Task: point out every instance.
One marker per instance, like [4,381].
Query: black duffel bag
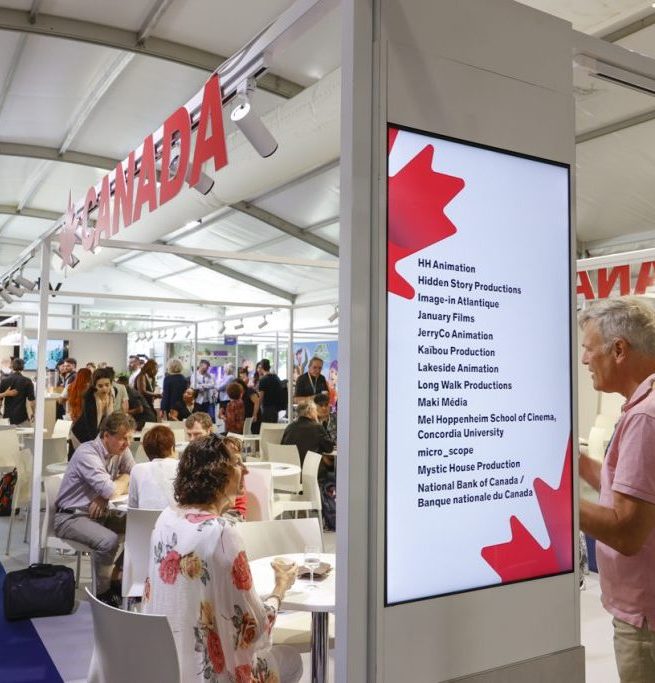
[41,590]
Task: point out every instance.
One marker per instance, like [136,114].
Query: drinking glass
[312,561]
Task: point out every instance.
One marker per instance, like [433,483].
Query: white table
[57,467]
[278,469]
[320,601]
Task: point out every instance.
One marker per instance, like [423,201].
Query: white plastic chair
[49,540]
[310,498]
[129,646]
[289,455]
[259,493]
[247,426]
[279,536]
[55,450]
[138,529]
[62,428]
[270,432]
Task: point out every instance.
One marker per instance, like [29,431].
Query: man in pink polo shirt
[619,350]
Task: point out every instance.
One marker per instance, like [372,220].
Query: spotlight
[188,333]
[335,315]
[252,127]
[12,289]
[21,280]
[239,326]
[174,333]
[221,327]
[6,296]
[263,323]
[149,336]
[161,334]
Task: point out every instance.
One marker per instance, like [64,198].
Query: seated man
[199,425]
[98,471]
[306,432]
[325,417]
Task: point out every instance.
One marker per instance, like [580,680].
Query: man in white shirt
[206,388]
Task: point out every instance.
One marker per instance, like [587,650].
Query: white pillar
[39,418]
[290,357]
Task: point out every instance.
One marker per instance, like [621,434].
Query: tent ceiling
[48,98]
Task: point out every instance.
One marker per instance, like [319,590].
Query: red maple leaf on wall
[522,557]
[417,196]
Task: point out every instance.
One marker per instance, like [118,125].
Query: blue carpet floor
[23,658]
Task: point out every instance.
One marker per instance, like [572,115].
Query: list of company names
[478,394]
[459,370]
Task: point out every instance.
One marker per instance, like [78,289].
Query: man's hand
[98,507]
[624,527]
[10,392]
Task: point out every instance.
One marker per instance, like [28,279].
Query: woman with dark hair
[151,483]
[74,392]
[97,403]
[200,579]
[145,382]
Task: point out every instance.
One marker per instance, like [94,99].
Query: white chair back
[247,426]
[55,450]
[4,422]
[9,448]
[280,536]
[259,494]
[311,490]
[130,646]
[287,454]
[270,432]
[138,530]
[62,428]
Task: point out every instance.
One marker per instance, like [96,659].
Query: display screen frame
[570,310]
[51,344]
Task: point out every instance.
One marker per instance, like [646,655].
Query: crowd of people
[202,493]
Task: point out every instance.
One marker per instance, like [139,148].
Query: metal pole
[194,354]
[290,357]
[277,352]
[39,419]
[20,338]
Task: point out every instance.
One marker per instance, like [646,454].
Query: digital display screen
[56,350]
[478,404]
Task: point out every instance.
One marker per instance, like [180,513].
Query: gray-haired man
[98,471]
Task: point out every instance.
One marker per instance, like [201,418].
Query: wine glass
[312,561]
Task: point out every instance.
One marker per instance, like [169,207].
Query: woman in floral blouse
[200,579]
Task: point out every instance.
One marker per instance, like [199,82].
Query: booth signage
[607,279]
[130,196]
[479,403]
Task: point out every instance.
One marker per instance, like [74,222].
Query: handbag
[41,590]
[7,485]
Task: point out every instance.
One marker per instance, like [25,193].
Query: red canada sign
[124,199]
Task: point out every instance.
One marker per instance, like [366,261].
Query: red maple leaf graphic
[67,235]
[417,197]
[522,557]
